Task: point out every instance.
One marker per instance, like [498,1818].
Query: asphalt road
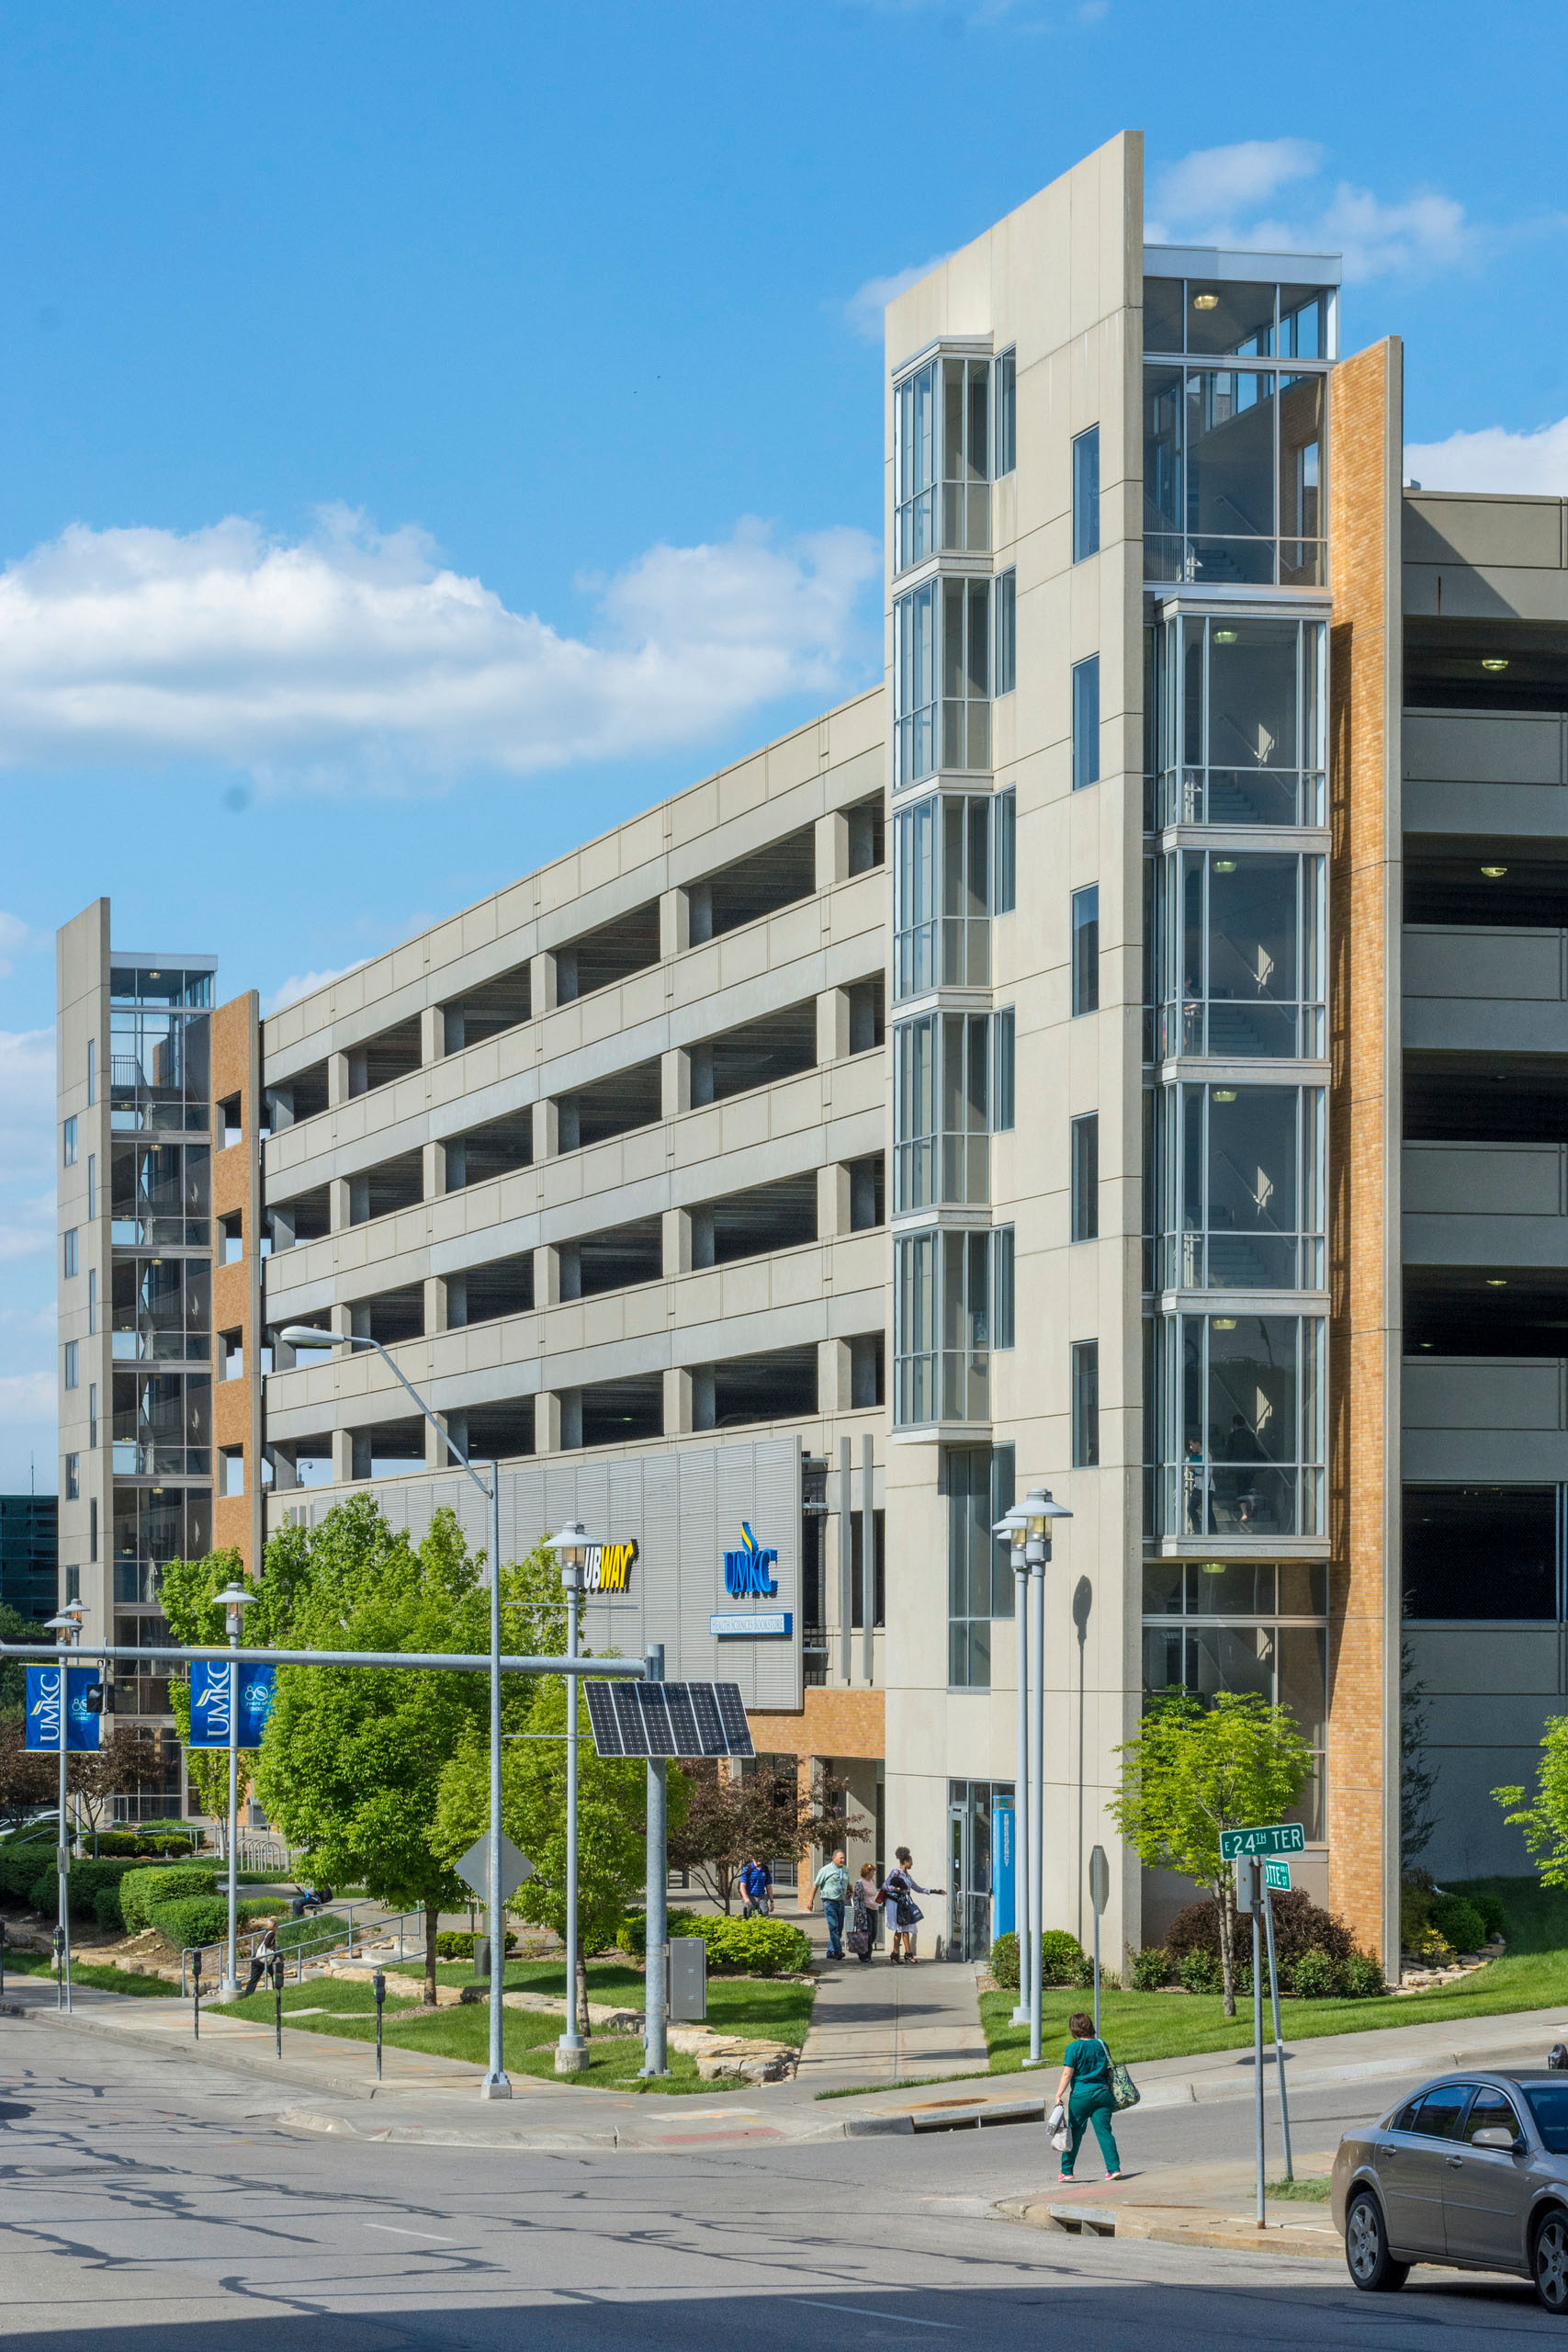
[143,2200]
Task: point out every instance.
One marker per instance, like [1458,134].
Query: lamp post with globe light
[67,1624]
[232,1601]
[570,1548]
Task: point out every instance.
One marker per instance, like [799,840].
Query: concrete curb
[1155,2224]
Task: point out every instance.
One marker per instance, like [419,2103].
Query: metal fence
[367,1936]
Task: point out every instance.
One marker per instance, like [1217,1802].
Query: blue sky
[407,411]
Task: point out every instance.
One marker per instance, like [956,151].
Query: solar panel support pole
[868,1558]
[655,2048]
[846,1610]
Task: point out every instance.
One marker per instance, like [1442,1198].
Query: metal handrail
[379,1931]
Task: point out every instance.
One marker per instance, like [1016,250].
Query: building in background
[30,1555]
[1124,1053]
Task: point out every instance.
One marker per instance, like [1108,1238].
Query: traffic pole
[655,2058]
[1278,2045]
[379,1986]
[496,2083]
[1255,1866]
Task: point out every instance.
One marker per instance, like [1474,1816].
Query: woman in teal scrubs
[1085,2091]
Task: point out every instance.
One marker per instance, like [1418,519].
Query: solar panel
[668,1719]
[602,1716]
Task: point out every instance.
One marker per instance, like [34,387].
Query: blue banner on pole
[81,1725]
[1004,1870]
[210,1702]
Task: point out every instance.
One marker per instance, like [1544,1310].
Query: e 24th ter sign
[1283,1838]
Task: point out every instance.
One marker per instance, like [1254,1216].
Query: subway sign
[609,1566]
[749,1570]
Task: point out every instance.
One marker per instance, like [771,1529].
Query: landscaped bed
[528,2038]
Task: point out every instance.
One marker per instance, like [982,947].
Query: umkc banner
[210,1702]
[81,1725]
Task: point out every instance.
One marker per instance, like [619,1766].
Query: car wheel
[1550,2262]
[1371,2266]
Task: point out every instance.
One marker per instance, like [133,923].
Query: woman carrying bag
[1088,2093]
[863,1915]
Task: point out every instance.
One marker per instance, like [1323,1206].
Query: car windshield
[1548,2104]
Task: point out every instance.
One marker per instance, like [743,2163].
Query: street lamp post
[496,2083]
[1014,1526]
[67,1623]
[232,1599]
[570,1548]
[1039,1510]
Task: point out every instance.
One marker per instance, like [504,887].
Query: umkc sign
[749,1569]
[608,1567]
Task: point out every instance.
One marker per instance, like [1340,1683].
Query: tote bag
[1124,2091]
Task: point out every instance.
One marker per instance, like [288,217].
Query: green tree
[187,1593]
[15,1627]
[1545,1821]
[353,1757]
[610,1820]
[1196,1770]
[761,1816]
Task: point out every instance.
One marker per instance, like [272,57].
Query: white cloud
[1494,459]
[27,1228]
[864,307]
[25,1397]
[299,984]
[354,657]
[26,1103]
[1214,198]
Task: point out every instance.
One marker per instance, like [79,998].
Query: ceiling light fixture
[1225,865]
[1493,873]
[1225,1094]
[1224,1322]
[1496,1282]
[1495,661]
[1224,637]
[1205,301]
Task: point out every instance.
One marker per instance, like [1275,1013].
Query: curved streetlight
[570,1547]
[1014,1526]
[496,2083]
[1039,1512]
[66,1625]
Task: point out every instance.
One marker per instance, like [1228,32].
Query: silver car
[1472,2171]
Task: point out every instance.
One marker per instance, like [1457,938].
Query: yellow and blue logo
[748,1570]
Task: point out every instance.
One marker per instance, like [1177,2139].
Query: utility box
[481,1955]
[688,1980]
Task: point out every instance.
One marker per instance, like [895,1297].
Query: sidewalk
[1196,2205]
[878,2024]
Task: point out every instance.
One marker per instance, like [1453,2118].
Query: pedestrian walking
[904,1914]
[261,1955]
[1085,2094]
[832,1883]
[862,1937]
[756,1889]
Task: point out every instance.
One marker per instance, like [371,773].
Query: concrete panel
[1482,529]
[1471,1838]
[1461,961]
[1502,1659]
[1486,1179]
[1492,812]
[1494,1392]
[1464,747]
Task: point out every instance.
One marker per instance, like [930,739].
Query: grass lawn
[770,2008]
[752,2005]
[1532,1975]
[528,2043]
[102,1978]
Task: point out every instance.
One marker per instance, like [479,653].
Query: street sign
[1098,1880]
[1276,1877]
[1283,1838]
[474,1868]
[1246,1883]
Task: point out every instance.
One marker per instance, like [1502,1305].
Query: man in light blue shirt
[832,1883]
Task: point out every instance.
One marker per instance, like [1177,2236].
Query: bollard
[379,1986]
[277,1965]
[195,1996]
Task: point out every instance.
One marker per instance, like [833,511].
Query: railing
[371,1937]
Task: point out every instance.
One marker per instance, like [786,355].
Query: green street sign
[1283,1838]
[1276,1877]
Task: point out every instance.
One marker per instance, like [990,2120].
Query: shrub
[1318,1975]
[752,1947]
[457,1943]
[1061,1957]
[1200,1971]
[143,1842]
[20,1867]
[1491,1910]
[1299,1925]
[141,1889]
[631,1934]
[1459,1922]
[82,1885]
[1004,1961]
[105,1907]
[191,1919]
[1362,1977]
[1150,1968]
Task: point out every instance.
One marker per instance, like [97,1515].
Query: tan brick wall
[832,1722]
[1363,1129]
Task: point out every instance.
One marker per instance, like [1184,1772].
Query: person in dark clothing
[261,1955]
